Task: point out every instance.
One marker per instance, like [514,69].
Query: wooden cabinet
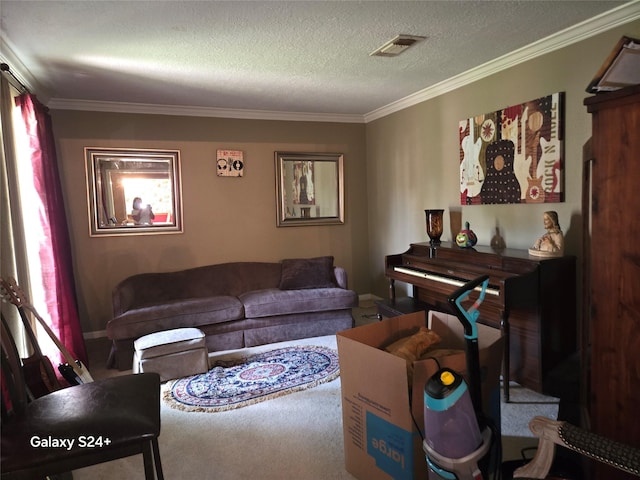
[612,269]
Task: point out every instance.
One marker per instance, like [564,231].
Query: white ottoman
[181,352]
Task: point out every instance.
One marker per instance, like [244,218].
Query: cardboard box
[383,420]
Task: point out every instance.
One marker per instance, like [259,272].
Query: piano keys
[444,279]
[531,299]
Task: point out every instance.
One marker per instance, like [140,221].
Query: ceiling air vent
[395,47]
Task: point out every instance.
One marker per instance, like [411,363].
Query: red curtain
[55,246]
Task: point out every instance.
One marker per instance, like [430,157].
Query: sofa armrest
[122,297]
[143,289]
[341,277]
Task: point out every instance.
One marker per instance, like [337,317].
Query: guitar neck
[29,331]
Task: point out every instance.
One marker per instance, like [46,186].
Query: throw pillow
[301,273]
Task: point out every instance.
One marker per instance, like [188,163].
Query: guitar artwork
[535,189]
[471,172]
[552,152]
[544,126]
[73,371]
[500,185]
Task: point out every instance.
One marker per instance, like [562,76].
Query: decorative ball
[466,238]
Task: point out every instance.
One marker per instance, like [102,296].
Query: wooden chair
[551,433]
[106,420]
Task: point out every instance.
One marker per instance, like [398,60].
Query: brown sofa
[236,305]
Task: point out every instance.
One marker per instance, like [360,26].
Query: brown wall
[225,219]
[413,155]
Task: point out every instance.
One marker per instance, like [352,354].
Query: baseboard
[95,334]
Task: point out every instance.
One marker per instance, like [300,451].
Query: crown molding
[622,15]
[582,31]
[145,108]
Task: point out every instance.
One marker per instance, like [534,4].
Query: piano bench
[401,306]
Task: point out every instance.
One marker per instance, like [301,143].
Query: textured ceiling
[279,56]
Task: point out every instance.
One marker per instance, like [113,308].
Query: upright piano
[532,299]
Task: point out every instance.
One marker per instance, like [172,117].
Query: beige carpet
[297,436]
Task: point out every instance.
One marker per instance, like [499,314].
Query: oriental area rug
[260,377]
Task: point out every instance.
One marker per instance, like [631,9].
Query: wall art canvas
[230,163]
[514,155]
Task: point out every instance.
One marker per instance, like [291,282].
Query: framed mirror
[133,192]
[309,189]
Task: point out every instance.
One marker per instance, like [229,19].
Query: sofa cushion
[270,302]
[226,279]
[192,312]
[303,273]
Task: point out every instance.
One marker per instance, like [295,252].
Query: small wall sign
[230,163]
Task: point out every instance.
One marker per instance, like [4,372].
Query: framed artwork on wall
[230,163]
[133,191]
[514,155]
[309,189]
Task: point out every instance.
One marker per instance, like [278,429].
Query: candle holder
[434,225]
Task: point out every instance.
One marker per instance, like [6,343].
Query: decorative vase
[497,242]
[434,225]
[466,238]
